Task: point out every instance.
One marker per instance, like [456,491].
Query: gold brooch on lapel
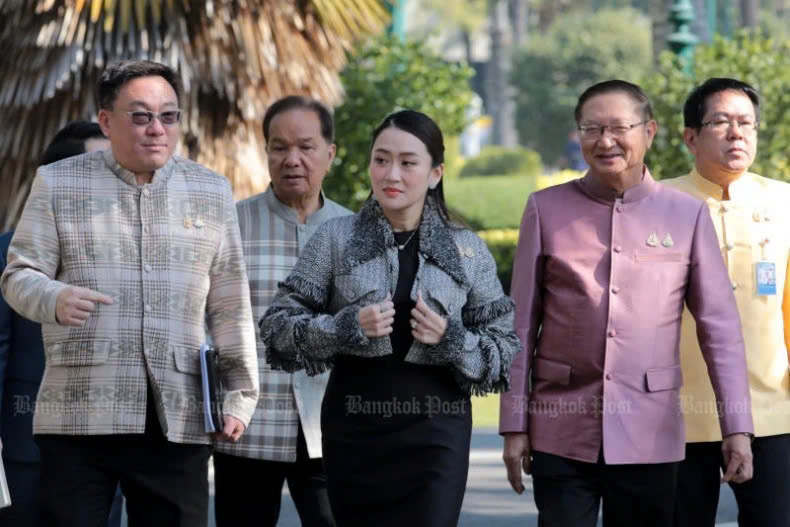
[188,222]
[668,242]
[466,251]
[652,240]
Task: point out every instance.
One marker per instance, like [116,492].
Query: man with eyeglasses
[603,268]
[123,255]
[752,222]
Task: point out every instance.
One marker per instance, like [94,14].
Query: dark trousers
[568,493]
[763,501]
[165,483]
[23,481]
[248,491]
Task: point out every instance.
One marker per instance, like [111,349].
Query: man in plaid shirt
[123,255]
[284,438]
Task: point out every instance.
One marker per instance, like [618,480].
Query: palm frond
[233,58]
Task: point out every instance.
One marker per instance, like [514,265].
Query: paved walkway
[489,501]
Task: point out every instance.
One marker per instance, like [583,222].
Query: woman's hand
[427,325]
[376,319]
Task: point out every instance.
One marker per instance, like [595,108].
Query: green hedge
[489,202]
[502,244]
[500,161]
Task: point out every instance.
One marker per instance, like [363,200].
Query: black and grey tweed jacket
[351,262]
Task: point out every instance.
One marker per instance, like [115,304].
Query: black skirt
[400,459]
[396,435]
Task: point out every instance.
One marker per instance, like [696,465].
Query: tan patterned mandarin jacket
[169,254]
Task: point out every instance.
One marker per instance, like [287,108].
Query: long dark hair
[426,130]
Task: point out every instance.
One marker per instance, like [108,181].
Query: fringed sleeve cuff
[488,347]
[349,333]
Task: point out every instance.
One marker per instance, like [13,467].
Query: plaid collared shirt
[169,254]
[273,239]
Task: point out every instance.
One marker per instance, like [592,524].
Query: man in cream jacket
[753,226]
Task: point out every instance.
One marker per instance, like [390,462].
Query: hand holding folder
[211,389]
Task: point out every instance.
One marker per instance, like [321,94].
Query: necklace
[403,245]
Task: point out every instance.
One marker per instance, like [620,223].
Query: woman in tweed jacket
[406,308]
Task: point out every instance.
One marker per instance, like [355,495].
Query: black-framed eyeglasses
[144,118]
[589,131]
[720,124]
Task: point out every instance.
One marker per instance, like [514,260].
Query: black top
[396,392]
[408,262]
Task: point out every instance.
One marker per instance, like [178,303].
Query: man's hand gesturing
[75,304]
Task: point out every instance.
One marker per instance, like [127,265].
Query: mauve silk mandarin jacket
[600,283]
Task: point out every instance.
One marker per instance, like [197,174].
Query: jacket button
[619,208]
[615,290]
[730,246]
[618,249]
[608,376]
[612,333]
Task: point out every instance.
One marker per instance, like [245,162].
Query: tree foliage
[387,75]
[762,62]
[576,51]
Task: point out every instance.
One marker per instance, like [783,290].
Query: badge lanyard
[765,273]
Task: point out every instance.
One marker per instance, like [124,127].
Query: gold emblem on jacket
[466,251]
[652,240]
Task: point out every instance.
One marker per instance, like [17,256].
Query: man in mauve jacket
[603,269]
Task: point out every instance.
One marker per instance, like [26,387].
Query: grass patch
[485,411]
[489,202]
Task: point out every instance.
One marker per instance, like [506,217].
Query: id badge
[766,278]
